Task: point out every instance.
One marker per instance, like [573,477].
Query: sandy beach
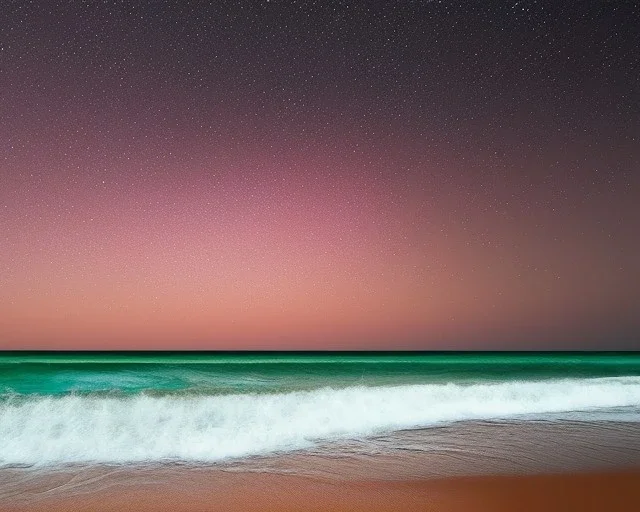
[214,490]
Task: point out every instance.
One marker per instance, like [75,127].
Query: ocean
[332,415]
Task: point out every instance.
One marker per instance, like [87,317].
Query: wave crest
[39,430]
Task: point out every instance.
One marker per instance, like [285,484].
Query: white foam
[76,429]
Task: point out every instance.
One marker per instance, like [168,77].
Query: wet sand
[227,491]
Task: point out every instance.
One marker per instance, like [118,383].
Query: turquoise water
[61,373]
[131,408]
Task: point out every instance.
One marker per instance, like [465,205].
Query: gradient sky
[320,175]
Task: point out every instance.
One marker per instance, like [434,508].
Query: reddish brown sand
[216,491]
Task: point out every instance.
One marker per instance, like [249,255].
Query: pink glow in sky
[351,182]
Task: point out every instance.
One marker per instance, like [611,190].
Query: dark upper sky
[274,174]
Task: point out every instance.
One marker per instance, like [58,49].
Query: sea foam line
[42,430]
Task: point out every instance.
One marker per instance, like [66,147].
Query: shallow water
[77,421]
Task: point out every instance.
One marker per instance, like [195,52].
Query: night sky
[320,175]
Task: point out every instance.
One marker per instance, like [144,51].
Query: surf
[40,430]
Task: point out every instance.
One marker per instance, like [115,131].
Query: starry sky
[320,175]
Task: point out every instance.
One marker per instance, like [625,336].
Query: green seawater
[140,408]
[217,373]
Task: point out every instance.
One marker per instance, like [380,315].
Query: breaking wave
[49,430]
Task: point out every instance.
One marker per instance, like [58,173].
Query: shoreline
[208,490]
